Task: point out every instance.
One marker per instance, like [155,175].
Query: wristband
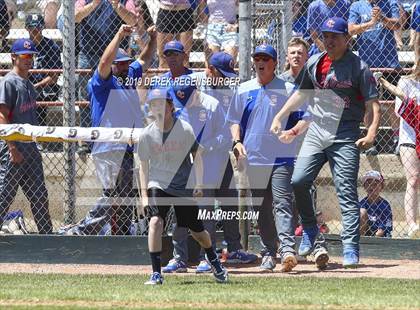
[294,132]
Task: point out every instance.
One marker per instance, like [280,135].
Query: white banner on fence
[29,133]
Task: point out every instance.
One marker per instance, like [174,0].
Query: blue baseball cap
[336,25]
[158,93]
[34,21]
[224,63]
[265,50]
[23,46]
[183,88]
[122,56]
[173,46]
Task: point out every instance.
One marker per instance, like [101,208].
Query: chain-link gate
[202,30]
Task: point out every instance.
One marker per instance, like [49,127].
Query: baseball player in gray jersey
[21,163]
[343,92]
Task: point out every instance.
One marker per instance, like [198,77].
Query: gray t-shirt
[339,103]
[169,158]
[19,96]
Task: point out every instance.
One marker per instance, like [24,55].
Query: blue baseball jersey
[201,115]
[217,153]
[376,46]
[253,108]
[379,215]
[115,105]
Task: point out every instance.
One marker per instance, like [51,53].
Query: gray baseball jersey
[19,96]
[169,157]
[341,99]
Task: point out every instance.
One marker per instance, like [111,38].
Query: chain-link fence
[202,30]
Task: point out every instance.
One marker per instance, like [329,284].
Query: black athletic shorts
[175,21]
[186,216]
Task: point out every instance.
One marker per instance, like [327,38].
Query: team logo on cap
[273,100]
[202,116]
[27,44]
[180,94]
[231,64]
[330,23]
[263,47]
[35,17]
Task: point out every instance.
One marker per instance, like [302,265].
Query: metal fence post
[69,110]
[245,27]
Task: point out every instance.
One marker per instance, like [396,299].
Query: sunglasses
[262,58]
[26,56]
[172,53]
[121,63]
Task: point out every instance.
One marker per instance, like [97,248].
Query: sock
[155,256]
[214,261]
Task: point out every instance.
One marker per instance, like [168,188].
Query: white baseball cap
[373,174]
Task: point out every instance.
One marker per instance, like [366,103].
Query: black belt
[410,145]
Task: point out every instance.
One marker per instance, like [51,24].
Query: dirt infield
[398,269]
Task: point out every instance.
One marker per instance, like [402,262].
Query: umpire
[21,163]
[343,89]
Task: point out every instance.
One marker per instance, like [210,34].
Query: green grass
[23,291]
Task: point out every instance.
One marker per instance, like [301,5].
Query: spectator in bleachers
[408,141]
[48,57]
[99,21]
[222,28]
[175,21]
[318,12]
[415,25]
[300,19]
[407,8]
[374,22]
[7,14]
[140,36]
[21,163]
[47,8]
[375,211]
[174,54]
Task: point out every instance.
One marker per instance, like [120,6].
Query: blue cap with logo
[336,25]
[183,88]
[175,46]
[158,93]
[122,56]
[224,63]
[267,50]
[23,46]
[34,21]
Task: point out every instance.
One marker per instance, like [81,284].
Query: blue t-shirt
[300,27]
[415,18]
[253,107]
[114,105]
[376,45]
[48,58]
[379,215]
[98,29]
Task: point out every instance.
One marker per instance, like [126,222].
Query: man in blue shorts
[343,90]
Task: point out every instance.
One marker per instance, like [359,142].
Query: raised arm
[104,67]
[83,10]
